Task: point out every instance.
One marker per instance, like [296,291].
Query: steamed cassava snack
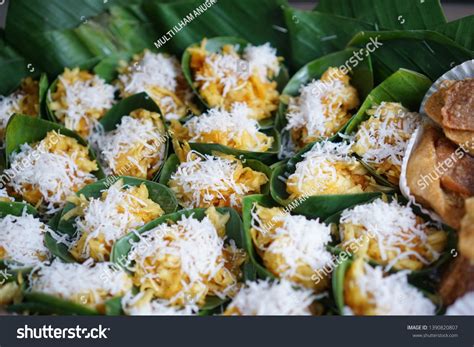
[4,197]
[392,234]
[137,147]
[227,77]
[86,284]
[322,107]
[439,175]
[291,247]
[143,304]
[381,141]
[329,169]
[214,180]
[369,291]
[234,128]
[101,221]
[185,261]
[22,241]
[80,99]
[452,107]
[58,166]
[264,298]
[161,77]
[23,101]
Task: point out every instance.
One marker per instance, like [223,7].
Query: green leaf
[361,79]
[215,45]
[234,232]
[461,31]
[47,304]
[338,278]
[390,14]
[157,193]
[316,206]
[113,307]
[172,164]
[427,52]
[256,21]
[26,129]
[247,205]
[316,34]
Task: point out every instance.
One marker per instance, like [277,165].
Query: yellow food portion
[274,262]
[164,278]
[348,178]
[145,159]
[10,292]
[142,208]
[258,143]
[359,303]
[352,236]
[181,102]
[336,108]
[59,101]
[61,144]
[261,96]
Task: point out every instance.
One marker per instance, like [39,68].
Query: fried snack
[439,176]
[457,280]
[466,236]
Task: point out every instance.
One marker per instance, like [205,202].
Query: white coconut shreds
[8,106]
[318,103]
[154,69]
[128,134]
[393,226]
[54,174]
[264,298]
[318,163]
[463,306]
[234,123]
[393,295]
[299,241]
[82,97]
[386,136]
[233,71]
[110,218]
[262,60]
[196,244]
[68,280]
[133,307]
[206,173]
[4,195]
[22,239]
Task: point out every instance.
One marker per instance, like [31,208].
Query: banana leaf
[173,162]
[215,45]
[426,52]
[247,205]
[428,272]
[80,33]
[25,129]
[267,157]
[157,192]
[338,279]
[316,206]
[389,14]
[315,34]
[461,31]
[256,21]
[361,79]
[234,232]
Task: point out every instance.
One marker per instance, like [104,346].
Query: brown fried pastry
[457,280]
[466,235]
[439,175]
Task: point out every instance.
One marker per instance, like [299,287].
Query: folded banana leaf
[427,52]
[316,206]
[338,279]
[170,166]
[361,79]
[215,45]
[427,273]
[461,31]
[186,22]
[234,232]
[389,14]
[80,33]
[25,129]
[66,227]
